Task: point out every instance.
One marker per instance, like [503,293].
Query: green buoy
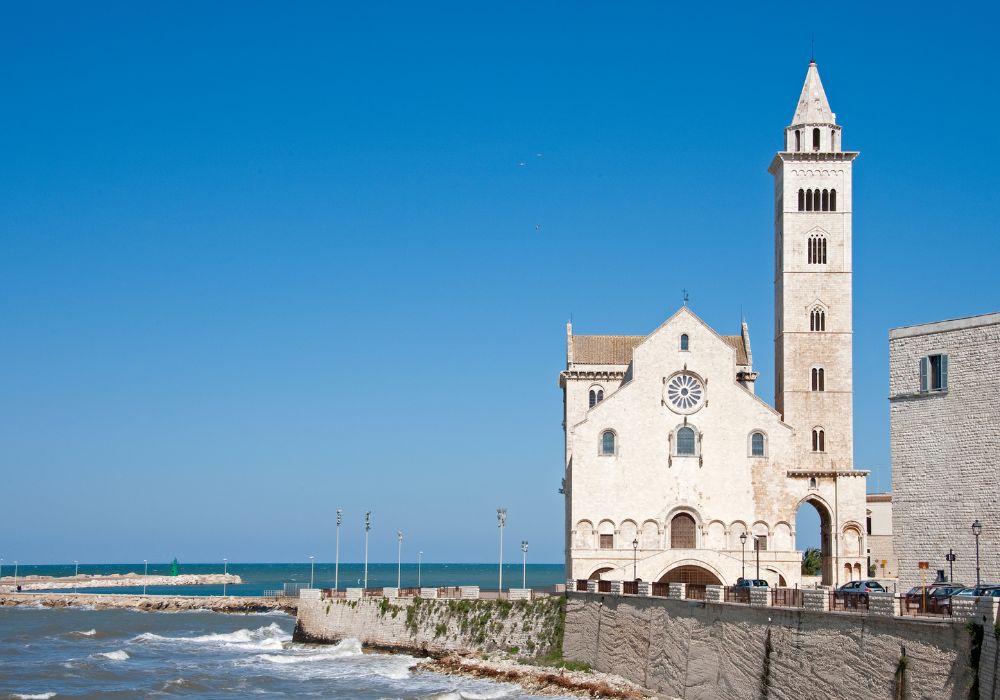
[174,569]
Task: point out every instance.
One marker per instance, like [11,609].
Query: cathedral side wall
[946,454]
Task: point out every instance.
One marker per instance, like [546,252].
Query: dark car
[934,600]
[752,583]
[867,586]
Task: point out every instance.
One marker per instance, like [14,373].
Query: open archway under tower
[814,530]
[689,573]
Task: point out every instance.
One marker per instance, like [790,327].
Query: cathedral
[676,471]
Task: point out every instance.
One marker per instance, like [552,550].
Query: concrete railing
[519,594]
[428,593]
[760,596]
[309,593]
[354,593]
[678,590]
[469,592]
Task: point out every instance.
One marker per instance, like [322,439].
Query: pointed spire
[813,107]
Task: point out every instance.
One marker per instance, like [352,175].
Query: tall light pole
[977,530]
[635,559]
[756,547]
[76,574]
[524,563]
[145,573]
[420,555]
[399,558]
[368,526]
[501,521]
[225,574]
[743,541]
[15,575]
[336,560]
[950,558]
[312,570]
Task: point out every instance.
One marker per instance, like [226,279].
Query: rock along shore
[36,583]
[151,603]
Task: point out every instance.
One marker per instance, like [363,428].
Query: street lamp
[368,526]
[312,570]
[524,563]
[225,574]
[399,558]
[420,555]
[501,521]
[977,530]
[756,547]
[743,541]
[635,559]
[145,574]
[336,560]
[950,558]
[15,574]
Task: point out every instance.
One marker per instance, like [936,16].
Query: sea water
[79,653]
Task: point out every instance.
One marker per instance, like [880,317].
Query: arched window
[682,532]
[819,440]
[817,319]
[684,342]
[809,200]
[816,200]
[757,444]
[812,482]
[802,200]
[826,200]
[686,443]
[833,200]
[816,251]
[593,398]
[816,139]
[608,443]
[596,395]
[600,395]
[833,139]
[818,380]
[798,140]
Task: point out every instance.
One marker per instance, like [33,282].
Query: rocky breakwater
[151,603]
[49,583]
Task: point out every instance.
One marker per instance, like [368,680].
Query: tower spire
[813,107]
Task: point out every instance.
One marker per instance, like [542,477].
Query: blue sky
[261,261]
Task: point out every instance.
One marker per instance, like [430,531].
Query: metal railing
[661,590]
[787,598]
[630,587]
[581,584]
[604,586]
[924,605]
[737,594]
[848,601]
[695,591]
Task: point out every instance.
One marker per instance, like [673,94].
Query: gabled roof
[813,107]
[618,349]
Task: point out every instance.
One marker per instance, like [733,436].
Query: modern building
[675,469]
[882,561]
[944,407]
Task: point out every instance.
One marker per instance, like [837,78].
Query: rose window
[685,393]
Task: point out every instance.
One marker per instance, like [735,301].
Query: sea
[84,653]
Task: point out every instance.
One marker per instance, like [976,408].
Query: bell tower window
[798,140]
[816,138]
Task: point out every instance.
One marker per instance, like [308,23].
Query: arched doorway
[596,576]
[690,573]
[814,531]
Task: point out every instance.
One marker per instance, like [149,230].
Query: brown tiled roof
[617,349]
[604,349]
[741,350]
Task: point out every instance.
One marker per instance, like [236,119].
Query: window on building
[607,541]
[686,441]
[833,139]
[816,139]
[809,200]
[816,200]
[760,543]
[833,200]
[812,482]
[826,200]
[607,443]
[934,373]
[757,444]
[817,319]
[802,200]
[818,379]
[816,250]
[682,532]
[684,342]
[596,395]
[868,524]
[819,440]
[798,140]
[593,398]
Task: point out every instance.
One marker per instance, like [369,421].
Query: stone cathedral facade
[671,456]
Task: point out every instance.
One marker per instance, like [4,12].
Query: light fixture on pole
[420,556]
[501,521]
[368,526]
[950,558]
[312,570]
[15,574]
[756,547]
[399,558]
[524,563]
[977,530]
[635,559]
[225,574]
[336,557]
[743,541]
[145,574]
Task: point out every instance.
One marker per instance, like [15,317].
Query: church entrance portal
[690,574]
[809,533]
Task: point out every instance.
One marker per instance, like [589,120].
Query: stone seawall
[151,603]
[435,627]
[703,651]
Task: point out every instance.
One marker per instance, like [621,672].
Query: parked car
[752,583]
[934,599]
[867,586]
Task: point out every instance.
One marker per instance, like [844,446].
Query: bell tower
[812,283]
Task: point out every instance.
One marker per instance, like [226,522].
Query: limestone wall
[533,627]
[715,651]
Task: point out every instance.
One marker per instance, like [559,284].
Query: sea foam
[117,655]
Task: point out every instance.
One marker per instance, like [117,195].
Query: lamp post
[950,558]
[225,574]
[501,521]
[336,557]
[977,530]
[145,573]
[312,570]
[76,573]
[756,547]
[524,563]
[743,541]
[368,527]
[15,575]
[635,559]
[399,559]
[420,555]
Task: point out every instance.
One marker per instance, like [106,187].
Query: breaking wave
[117,655]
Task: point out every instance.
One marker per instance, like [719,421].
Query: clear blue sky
[258,261]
